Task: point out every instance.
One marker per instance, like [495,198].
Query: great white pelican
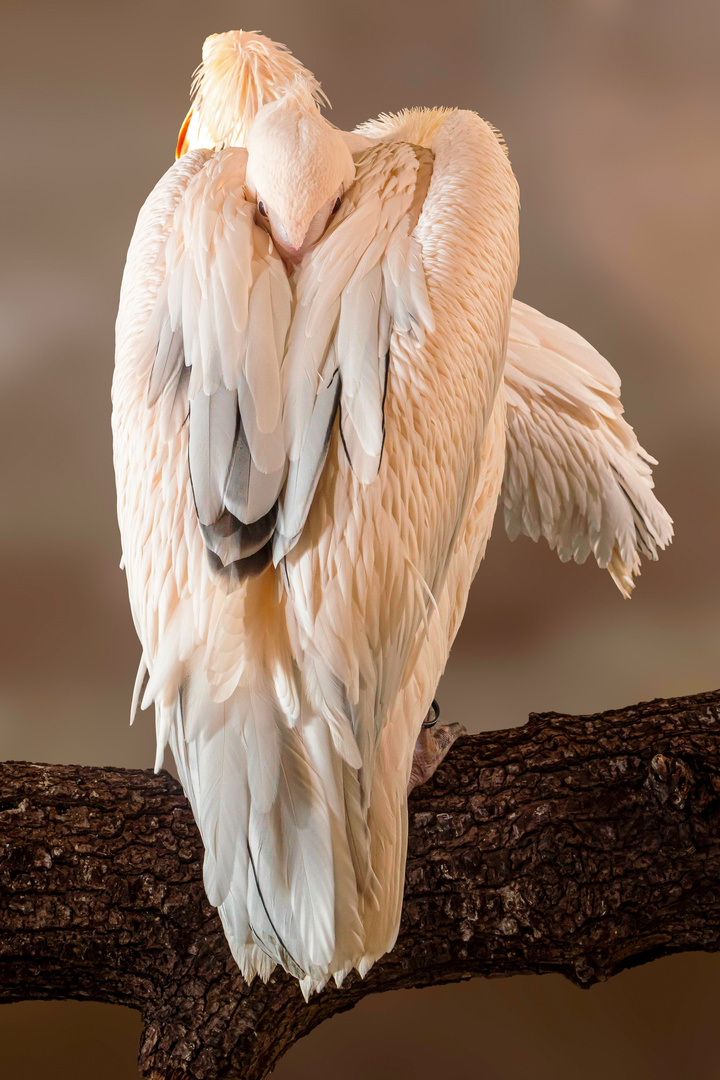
[323,391]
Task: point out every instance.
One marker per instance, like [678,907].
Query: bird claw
[432,745]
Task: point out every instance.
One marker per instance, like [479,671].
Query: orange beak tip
[182,143]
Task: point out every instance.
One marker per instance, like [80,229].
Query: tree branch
[576,845]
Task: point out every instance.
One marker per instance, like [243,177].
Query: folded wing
[220,322]
[364,279]
[575,472]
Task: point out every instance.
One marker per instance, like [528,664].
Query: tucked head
[298,170]
[250,91]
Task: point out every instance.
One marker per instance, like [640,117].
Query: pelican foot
[432,745]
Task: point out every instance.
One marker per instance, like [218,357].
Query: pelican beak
[291,252]
[293,242]
[182,143]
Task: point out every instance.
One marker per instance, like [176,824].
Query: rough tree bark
[577,845]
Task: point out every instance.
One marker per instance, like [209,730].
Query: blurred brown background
[611,110]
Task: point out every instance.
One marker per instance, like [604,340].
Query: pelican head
[298,169]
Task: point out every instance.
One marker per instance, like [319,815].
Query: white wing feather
[575,473]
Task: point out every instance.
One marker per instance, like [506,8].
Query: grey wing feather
[304,472]
[213,422]
[169,361]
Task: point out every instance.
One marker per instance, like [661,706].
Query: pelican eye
[336,205]
[262,209]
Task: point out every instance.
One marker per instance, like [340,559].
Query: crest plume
[241,71]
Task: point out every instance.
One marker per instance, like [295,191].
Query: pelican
[323,391]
